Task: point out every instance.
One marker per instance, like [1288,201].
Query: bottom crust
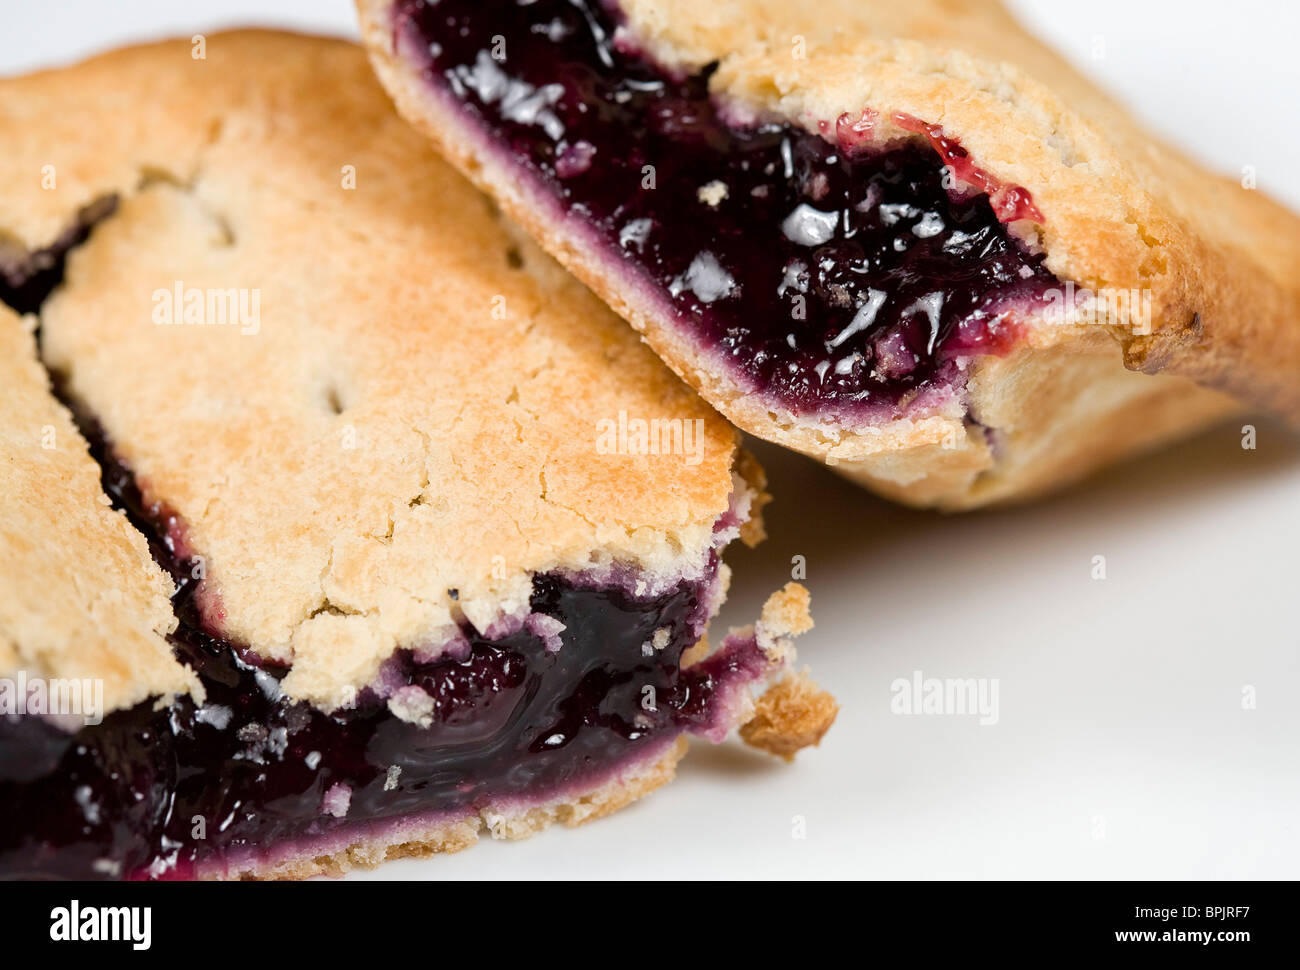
[413,839]
[1056,413]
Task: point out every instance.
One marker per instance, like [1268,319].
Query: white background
[1122,748]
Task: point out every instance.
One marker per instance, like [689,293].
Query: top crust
[409,427]
[81,596]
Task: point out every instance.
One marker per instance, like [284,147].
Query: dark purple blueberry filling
[509,718]
[833,279]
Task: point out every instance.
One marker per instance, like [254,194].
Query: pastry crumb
[793,714]
[337,800]
[712,193]
[657,642]
[785,614]
[753,531]
[412,704]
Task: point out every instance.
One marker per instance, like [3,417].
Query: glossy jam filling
[834,278]
[510,718]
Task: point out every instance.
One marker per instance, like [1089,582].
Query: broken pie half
[441,540]
[903,238]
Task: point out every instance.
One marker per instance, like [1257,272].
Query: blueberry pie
[904,238]
[441,540]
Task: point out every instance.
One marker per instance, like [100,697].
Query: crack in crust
[82,596]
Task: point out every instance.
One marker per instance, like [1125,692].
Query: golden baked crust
[410,413]
[1122,212]
[81,596]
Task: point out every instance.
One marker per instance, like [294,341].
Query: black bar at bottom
[438,920]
